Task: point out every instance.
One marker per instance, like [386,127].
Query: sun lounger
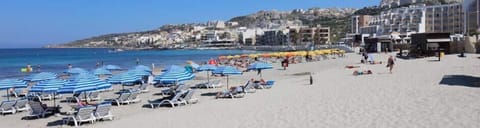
[84,114]
[249,87]
[269,84]
[94,96]
[175,100]
[19,93]
[211,84]
[7,107]
[38,109]
[21,105]
[143,88]
[237,92]
[171,91]
[133,98]
[190,97]
[78,97]
[122,99]
[103,112]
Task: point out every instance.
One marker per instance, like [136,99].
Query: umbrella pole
[8,95]
[208,77]
[86,101]
[227,82]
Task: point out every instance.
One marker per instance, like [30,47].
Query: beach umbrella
[227,71]
[83,84]
[6,84]
[101,71]
[143,67]
[139,72]
[124,78]
[208,68]
[174,68]
[41,77]
[174,76]
[112,67]
[259,66]
[75,71]
[193,64]
[50,86]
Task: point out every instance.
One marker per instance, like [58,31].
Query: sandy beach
[420,93]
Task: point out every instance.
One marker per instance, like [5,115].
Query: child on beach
[390,63]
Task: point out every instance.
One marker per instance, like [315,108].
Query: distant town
[393,24]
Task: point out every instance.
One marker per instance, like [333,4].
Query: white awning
[433,45]
[438,40]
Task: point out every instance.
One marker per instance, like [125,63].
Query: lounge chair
[249,87]
[190,98]
[122,99]
[143,88]
[46,96]
[84,114]
[237,92]
[7,107]
[19,93]
[175,100]
[133,98]
[38,109]
[78,97]
[21,105]
[269,84]
[94,96]
[103,112]
[211,84]
[170,91]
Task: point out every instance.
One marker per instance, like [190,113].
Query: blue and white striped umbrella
[174,76]
[260,65]
[124,78]
[174,68]
[101,71]
[207,68]
[41,76]
[112,67]
[12,83]
[227,70]
[139,72]
[142,67]
[84,84]
[75,71]
[48,86]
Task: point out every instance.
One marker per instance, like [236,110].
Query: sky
[35,23]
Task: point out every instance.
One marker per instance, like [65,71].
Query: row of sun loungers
[182,97]
[90,114]
[126,98]
[14,106]
[241,91]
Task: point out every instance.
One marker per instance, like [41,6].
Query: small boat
[115,50]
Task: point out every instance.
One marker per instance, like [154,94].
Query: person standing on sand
[390,63]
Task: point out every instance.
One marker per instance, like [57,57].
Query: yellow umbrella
[236,56]
[229,57]
[252,55]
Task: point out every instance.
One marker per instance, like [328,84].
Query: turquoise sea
[56,60]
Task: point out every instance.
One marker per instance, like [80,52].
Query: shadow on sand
[461,80]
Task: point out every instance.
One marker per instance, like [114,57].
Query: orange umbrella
[222,57]
[244,55]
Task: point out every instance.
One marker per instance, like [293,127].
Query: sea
[57,59]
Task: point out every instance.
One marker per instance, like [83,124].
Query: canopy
[227,70]
[122,78]
[75,71]
[41,76]
[175,76]
[112,67]
[143,67]
[259,65]
[48,86]
[12,83]
[101,71]
[84,84]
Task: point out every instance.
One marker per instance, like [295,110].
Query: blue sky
[34,23]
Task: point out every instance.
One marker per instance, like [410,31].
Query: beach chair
[46,96]
[237,92]
[171,91]
[38,109]
[84,114]
[133,98]
[21,105]
[249,87]
[103,112]
[143,88]
[175,100]
[190,98]
[269,84]
[94,96]
[19,93]
[78,97]
[7,107]
[122,99]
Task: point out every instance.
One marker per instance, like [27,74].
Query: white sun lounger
[84,114]
[7,107]
[176,100]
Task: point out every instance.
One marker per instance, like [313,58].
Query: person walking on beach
[390,63]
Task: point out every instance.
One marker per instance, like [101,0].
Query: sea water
[57,60]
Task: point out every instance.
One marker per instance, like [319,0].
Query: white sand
[410,97]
